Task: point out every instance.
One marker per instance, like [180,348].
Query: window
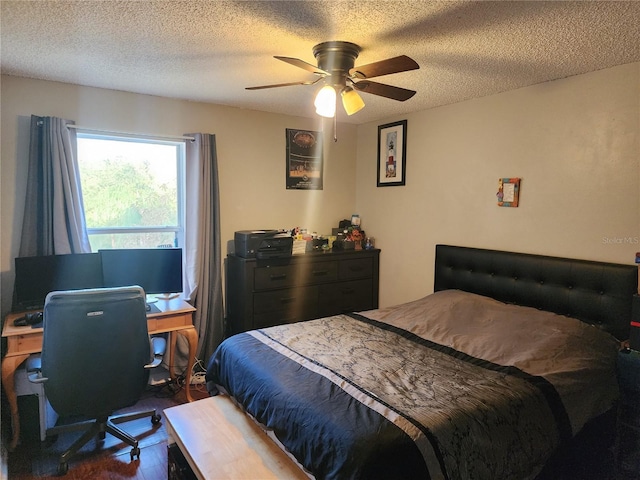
[133,191]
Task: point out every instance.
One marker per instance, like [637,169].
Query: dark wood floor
[107,459]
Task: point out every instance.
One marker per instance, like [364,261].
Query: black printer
[263,244]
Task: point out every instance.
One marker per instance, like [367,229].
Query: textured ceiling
[208,51]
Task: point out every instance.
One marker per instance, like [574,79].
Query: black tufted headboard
[594,292]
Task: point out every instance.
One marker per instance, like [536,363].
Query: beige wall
[251,157]
[574,142]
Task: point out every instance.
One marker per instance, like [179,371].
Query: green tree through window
[132,191]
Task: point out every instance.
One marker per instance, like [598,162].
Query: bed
[493,376]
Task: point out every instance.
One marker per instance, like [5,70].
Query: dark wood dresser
[261,294]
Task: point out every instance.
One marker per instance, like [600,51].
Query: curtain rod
[166,137]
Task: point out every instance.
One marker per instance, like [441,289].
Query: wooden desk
[220,442]
[175,316]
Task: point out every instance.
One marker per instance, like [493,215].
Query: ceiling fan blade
[283,85]
[384,67]
[383,90]
[302,64]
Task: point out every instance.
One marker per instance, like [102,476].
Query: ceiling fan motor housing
[337,58]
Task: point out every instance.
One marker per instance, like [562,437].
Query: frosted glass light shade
[351,101]
[325,102]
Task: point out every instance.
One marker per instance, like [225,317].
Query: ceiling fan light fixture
[325,101]
[336,67]
[351,101]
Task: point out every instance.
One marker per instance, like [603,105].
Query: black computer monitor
[156,270]
[37,276]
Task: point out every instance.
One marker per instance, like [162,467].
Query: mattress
[454,385]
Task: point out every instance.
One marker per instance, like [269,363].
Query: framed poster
[304,159]
[392,155]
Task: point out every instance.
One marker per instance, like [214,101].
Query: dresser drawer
[318,272]
[267,278]
[285,299]
[356,268]
[284,306]
[345,297]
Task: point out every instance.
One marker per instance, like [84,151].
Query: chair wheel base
[135,452]
[63,468]
[155,419]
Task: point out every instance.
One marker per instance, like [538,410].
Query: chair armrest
[33,365]
[156,361]
[37,377]
[158,347]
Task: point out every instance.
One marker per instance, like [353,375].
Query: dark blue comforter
[351,397]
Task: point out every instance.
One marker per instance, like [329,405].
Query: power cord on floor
[165,390]
[198,372]
[173,387]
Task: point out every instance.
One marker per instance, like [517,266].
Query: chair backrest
[95,347]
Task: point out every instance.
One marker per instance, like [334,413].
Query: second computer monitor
[156,270]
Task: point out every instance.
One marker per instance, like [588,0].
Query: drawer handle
[287,299]
[320,272]
[347,291]
[355,268]
[278,277]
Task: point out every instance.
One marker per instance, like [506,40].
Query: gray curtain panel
[203,261]
[54,221]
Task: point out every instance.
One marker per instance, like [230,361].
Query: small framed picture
[392,155]
[508,192]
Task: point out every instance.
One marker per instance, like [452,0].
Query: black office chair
[96,357]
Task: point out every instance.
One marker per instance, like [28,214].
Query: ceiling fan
[336,60]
